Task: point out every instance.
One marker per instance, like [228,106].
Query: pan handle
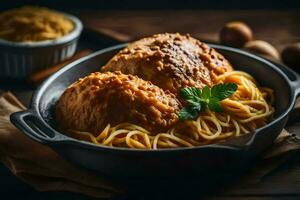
[293,76]
[294,79]
[28,123]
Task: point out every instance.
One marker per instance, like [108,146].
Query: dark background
[155,4]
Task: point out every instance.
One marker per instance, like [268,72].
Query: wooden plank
[283,180]
[278,27]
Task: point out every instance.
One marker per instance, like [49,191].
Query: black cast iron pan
[38,123]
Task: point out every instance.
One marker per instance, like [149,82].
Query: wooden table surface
[277,27]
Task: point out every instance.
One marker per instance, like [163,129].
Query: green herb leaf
[205,95]
[189,112]
[223,91]
[198,99]
[190,94]
[214,105]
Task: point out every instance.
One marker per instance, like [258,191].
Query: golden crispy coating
[170,61]
[112,98]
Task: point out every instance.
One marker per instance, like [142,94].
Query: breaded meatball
[170,61]
[112,98]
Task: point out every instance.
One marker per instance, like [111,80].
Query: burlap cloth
[33,162]
[40,166]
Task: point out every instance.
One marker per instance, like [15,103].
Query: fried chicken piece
[112,98]
[170,61]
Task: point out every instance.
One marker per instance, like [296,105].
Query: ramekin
[20,59]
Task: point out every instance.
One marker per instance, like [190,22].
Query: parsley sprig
[198,99]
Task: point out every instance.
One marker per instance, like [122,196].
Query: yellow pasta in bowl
[34,38]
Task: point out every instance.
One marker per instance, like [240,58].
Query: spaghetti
[249,108]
